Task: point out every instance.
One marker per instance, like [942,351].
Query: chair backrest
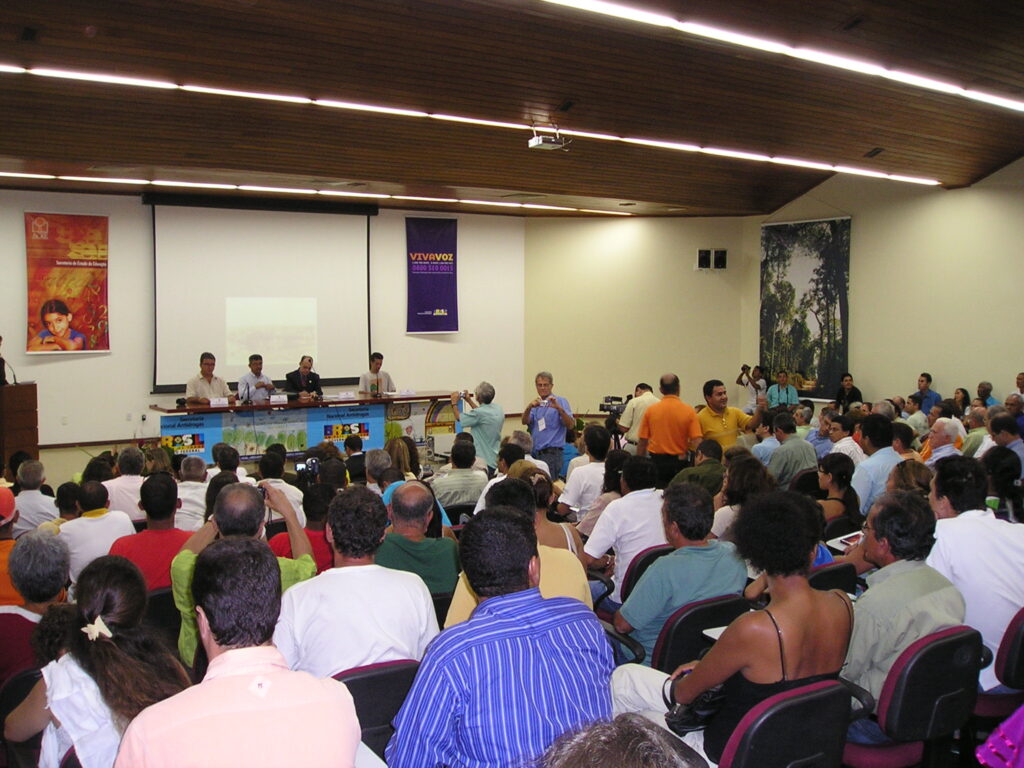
[378,691]
[456,511]
[682,638]
[1010,658]
[274,527]
[839,526]
[767,734]
[639,564]
[805,482]
[163,616]
[931,689]
[442,602]
[834,576]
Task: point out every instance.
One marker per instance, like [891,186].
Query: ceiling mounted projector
[543,141]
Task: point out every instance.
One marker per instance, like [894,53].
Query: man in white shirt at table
[375,381]
[255,386]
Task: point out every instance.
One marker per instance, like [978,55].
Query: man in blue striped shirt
[498,689]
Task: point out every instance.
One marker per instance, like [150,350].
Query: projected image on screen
[239,282]
[274,327]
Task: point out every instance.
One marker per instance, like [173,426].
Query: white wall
[614,302]
[103,396]
[489,344]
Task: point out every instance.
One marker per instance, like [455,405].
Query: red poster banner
[67,283]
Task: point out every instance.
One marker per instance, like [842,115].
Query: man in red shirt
[154,548]
[669,430]
[315,501]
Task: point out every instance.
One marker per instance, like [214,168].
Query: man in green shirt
[976,431]
[407,548]
[793,455]
[708,469]
[238,511]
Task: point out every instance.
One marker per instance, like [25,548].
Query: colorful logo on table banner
[184,443]
[335,432]
[432,275]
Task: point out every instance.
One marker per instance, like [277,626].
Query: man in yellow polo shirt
[669,430]
[721,423]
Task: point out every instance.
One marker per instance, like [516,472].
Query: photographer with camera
[753,379]
[633,414]
[548,417]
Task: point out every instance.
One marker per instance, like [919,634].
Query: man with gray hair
[976,431]
[942,437]
[524,441]
[124,491]
[548,416]
[38,568]
[238,511]
[485,418]
[1015,407]
[819,438]
[377,461]
[885,408]
[192,493]
[985,393]
[34,508]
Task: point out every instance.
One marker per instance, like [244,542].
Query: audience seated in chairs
[250,709]
[357,612]
[153,549]
[112,669]
[801,638]
[408,548]
[39,570]
[315,501]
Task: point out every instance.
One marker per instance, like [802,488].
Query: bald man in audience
[669,431]
[239,511]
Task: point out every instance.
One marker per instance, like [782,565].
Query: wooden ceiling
[521,61]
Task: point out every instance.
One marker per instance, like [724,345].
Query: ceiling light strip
[583,4]
[103,179]
[13,175]
[806,54]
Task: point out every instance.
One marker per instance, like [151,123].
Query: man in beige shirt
[629,421]
[205,386]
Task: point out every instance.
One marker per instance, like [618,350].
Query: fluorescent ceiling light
[663,144]
[488,123]
[735,153]
[368,108]
[606,213]
[425,199]
[588,135]
[246,94]
[103,179]
[913,179]
[548,207]
[803,163]
[13,175]
[96,77]
[772,46]
[338,193]
[12,70]
[860,171]
[282,190]
[193,184]
[619,11]
[488,202]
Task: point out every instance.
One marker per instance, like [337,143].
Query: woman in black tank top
[799,639]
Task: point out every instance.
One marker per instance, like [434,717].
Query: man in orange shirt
[669,431]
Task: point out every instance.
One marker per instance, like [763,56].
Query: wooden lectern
[19,421]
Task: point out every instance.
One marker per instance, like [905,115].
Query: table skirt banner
[432,282]
[67,283]
[250,432]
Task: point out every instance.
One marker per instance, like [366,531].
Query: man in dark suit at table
[303,379]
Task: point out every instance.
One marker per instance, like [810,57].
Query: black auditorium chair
[928,694]
[801,728]
[834,576]
[378,691]
[682,638]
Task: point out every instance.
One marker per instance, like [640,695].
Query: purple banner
[433,303]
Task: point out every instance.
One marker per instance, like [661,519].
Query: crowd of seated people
[498,602]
